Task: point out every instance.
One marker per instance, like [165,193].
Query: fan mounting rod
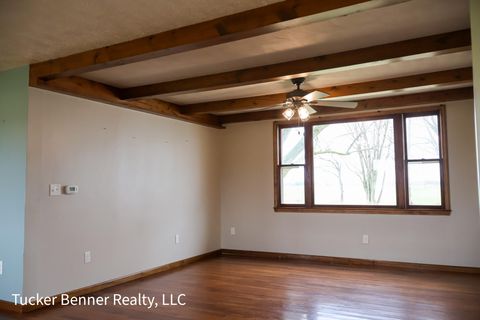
[298,81]
[297,93]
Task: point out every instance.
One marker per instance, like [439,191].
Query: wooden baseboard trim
[351,262]
[107,284]
[7,306]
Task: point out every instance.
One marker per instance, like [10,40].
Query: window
[392,163]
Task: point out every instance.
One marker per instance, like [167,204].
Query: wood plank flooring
[244,288]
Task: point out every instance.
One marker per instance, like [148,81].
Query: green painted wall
[13,155]
[475,30]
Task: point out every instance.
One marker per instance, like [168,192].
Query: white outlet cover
[88,257]
[177,238]
[1,267]
[365,239]
[233,231]
[55,189]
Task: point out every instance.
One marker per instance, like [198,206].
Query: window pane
[292,185]
[354,163]
[422,137]
[293,146]
[424,187]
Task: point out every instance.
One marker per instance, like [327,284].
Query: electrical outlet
[233,231]
[177,239]
[1,267]
[365,239]
[88,257]
[55,190]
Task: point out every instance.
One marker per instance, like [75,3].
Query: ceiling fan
[304,103]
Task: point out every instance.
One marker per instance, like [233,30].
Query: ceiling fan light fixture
[288,113]
[304,103]
[303,113]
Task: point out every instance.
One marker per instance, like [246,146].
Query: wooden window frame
[399,117]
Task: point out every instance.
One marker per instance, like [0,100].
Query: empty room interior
[240,159]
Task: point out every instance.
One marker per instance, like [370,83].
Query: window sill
[357,210]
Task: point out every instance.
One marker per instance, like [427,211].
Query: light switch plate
[55,190]
[177,239]
[233,231]
[1,267]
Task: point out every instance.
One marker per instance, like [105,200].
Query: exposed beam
[255,22]
[240,104]
[92,90]
[419,47]
[364,105]
[432,78]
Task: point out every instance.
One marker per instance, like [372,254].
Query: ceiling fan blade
[337,104]
[315,95]
[311,110]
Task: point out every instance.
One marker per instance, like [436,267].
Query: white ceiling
[38,30]
[332,77]
[380,94]
[397,22]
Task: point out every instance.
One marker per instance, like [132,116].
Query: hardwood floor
[243,288]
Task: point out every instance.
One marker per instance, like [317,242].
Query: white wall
[247,201]
[475,36]
[142,179]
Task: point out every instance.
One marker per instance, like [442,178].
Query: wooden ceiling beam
[96,91]
[419,47]
[244,104]
[376,104]
[255,22]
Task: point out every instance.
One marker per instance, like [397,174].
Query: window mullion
[277,149]
[308,165]
[442,127]
[400,176]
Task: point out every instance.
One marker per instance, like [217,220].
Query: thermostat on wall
[71,189]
